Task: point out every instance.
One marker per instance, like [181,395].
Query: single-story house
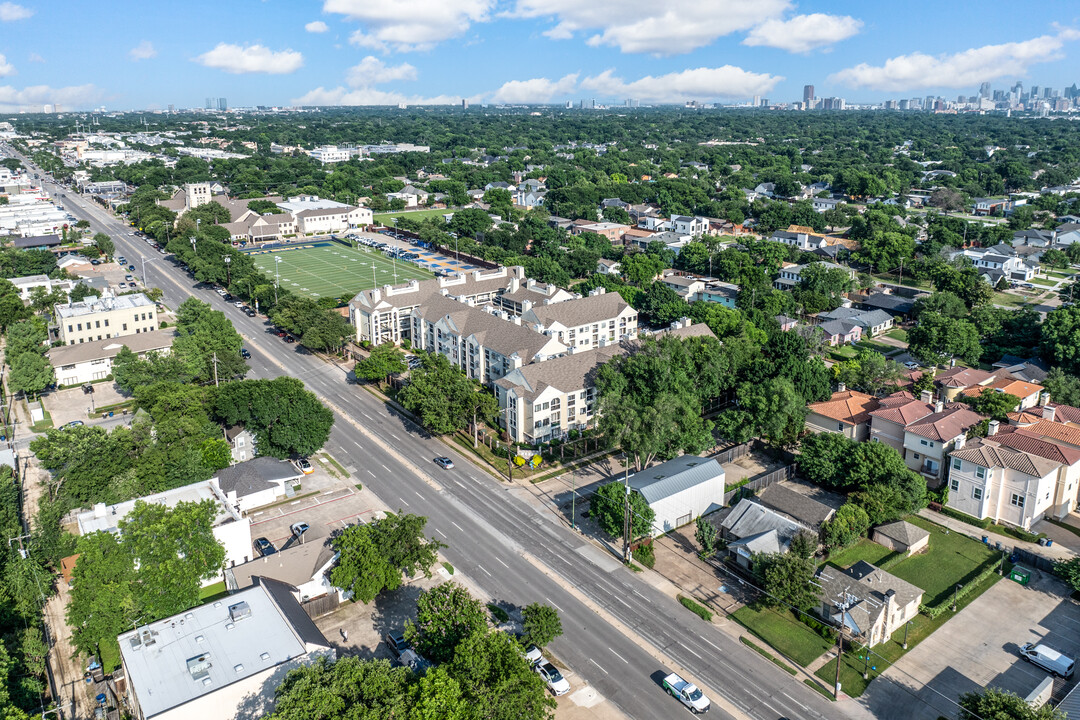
[873,322]
[607,267]
[870,602]
[841,332]
[751,528]
[680,490]
[305,566]
[36,242]
[257,482]
[893,304]
[902,536]
[798,504]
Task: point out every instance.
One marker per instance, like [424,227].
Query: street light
[228,277]
[193,248]
[906,628]
[954,592]
[277,276]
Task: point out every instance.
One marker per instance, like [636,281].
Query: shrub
[817,626]
[498,613]
[698,609]
[964,517]
[645,555]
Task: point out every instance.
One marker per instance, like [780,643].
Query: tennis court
[333,270]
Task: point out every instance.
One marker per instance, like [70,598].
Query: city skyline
[518,51]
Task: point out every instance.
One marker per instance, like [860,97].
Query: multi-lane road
[621,634]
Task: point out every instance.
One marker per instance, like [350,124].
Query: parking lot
[426,258]
[979,648]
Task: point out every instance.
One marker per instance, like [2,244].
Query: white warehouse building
[680,490]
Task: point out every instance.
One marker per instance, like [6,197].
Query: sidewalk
[1055,553]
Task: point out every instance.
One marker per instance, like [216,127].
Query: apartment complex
[105,317]
[593,321]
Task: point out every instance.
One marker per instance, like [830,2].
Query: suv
[556,683]
[298,529]
[264,547]
[304,466]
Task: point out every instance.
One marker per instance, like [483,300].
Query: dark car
[290,339]
[95,262]
[131,268]
[280,333]
[249,312]
[245,353]
[264,547]
[226,297]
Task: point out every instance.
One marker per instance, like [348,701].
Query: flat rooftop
[102,517]
[103,304]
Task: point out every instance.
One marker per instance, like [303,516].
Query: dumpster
[1020,575]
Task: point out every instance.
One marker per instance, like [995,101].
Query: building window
[954,484]
[976,493]
[924,442]
[980,472]
[916,455]
[839,427]
[956,463]
[106,322]
[125,326]
[1016,500]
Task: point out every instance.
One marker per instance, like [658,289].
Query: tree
[11,305]
[385,360]
[442,396]
[1061,339]
[104,244]
[1056,259]
[374,555]
[541,624]
[608,505]
[286,418]
[1069,571]
[786,579]
[845,527]
[102,601]
[348,689]
[823,458]
[81,291]
[641,268]
[994,405]
[772,410]
[937,338]
[30,374]
[706,535]
[26,336]
[496,681]
[997,704]
[445,615]
[1064,389]
[207,342]
[131,371]
[868,371]
[944,303]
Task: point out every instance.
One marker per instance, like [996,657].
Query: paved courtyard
[977,649]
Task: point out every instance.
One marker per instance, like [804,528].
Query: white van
[1048,659]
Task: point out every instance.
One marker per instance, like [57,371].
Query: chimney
[992,428]
[961,441]
[927,396]
[1044,398]
[1049,413]
[939,406]
[841,387]
[526,306]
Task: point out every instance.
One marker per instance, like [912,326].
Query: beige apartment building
[105,317]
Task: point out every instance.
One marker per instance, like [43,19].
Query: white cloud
[316,26]
[9,12]
[727,81]
[373,71]
[962,69]
[368,96]
[251,59]
[6,68]
[535,90]
[143,51]
[671,27]
[409,25]
[32,98]
[803,33]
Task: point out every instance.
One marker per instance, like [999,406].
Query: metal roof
[674,476]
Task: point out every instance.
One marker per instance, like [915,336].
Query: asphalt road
[489,531]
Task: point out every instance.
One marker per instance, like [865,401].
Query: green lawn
[952,558]
[213,592]
[866,550]
[880,347]
[334,270]
[1010,299]
[1044,283]
[842,352]
[783,632]
[1063,274]
[386,218]
[898,334]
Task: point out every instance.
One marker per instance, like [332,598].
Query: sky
[148,54]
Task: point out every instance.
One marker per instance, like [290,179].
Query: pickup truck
[687,693]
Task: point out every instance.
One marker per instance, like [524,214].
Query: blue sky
[136,55]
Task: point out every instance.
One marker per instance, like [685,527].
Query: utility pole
[215,361]
[277,276]
[901,271]
[627,555]
[228,277]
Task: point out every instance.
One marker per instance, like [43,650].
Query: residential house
[27,283]
[873,322]
[304,566]
[928,440]
[680,490]
[220,660]
[786,323]
[230,528]
[101,318]
[612,231]
[870,602]
[598,319]
[687,225]
[241,443]
[655,223]
[36,242]
[846,412]
[895,305]
[803,238]
[93,360]
[613,202]
[750,528]
[256,482]
[715,291]
[840,332]
[767,189]
[1014,477]
[1033,237]
[988,206]
[608,267]
[1000,261]
[902,536]
[1027,392]
[791,275]
[823,204]
[798,501]
[1068,233]
[687,286]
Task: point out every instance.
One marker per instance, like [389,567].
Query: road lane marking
[385,468]
[553,604]
[619,656]
[456,525]
[358,445]
[599,666]
[484,569]
[503,564]
[419,496]
[441,533]
[684,647]
[371,473]
[402,500]
[622,601]
[714,647]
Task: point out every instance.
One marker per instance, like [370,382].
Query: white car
[910,365]
[556,683]
[533,655]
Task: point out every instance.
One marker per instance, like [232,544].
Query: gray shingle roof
[98,349]
[574,313]
[796,505]
[903,532]
[255,475]
[672,477]
[749,519]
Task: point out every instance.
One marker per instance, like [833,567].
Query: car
[444,462]
[264,547]
[227,297]
[121,285]
[397,643]
[95,262]
[121,260]
[74,423]
[304,466]
[129,278]
[280,333]
[131,268]
[238,304]
[290,339]
[533,655]
[556,683]
[245,353]
[911,365]
[298,529]
[249,312]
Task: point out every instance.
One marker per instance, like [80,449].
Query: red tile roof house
[923,433]
[846,412]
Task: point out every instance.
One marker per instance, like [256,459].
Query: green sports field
[333,270]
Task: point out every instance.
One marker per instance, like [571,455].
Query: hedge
[934,612]
[964,517]
[820,628]
[700,610]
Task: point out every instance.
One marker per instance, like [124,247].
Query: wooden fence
[759,483]
[319,606]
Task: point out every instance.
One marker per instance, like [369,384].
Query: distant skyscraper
[222,104]
[808,96]
[171,109]
[984,90]
[209,103]
[464,104]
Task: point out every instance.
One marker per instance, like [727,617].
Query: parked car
[238,304]
[910,365]
[556,683]
[264,547]
[129,278]
[298,529]
[444,462]
[249,312]
[131,268]
[304,466]
[245,353]
[1048,659]
[290,339]
[533,655]
[74,423]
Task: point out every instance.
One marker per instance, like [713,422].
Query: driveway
[977,649]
